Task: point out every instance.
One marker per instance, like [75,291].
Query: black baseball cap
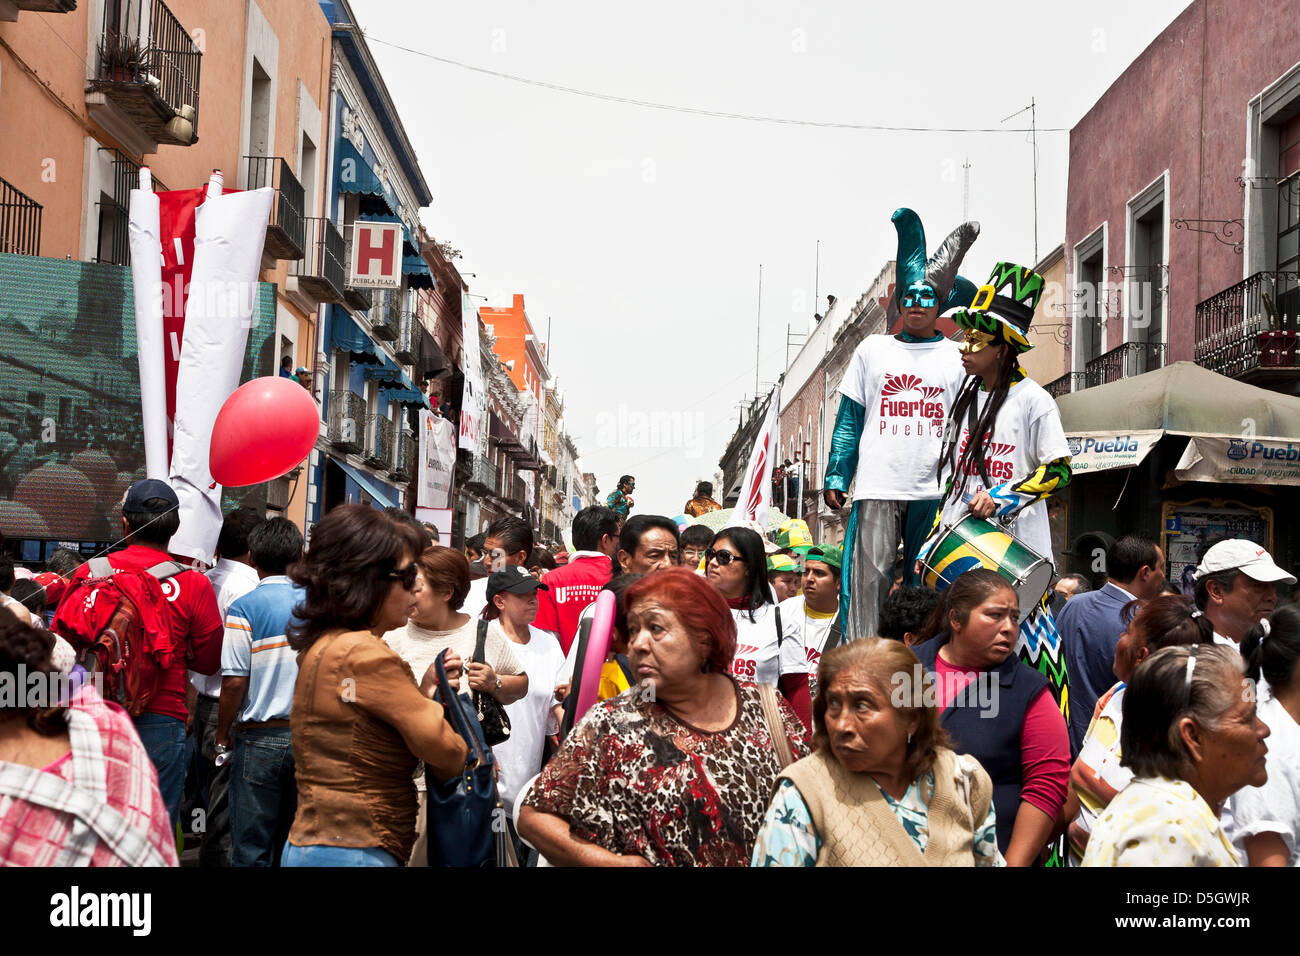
[513,579]
[146,489]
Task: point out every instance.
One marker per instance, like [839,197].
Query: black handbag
[491,712]
[464,818]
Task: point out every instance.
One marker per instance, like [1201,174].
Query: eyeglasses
[723,558]
[405,576]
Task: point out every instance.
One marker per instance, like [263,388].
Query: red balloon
[264,430]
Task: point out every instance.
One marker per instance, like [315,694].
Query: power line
[696,111]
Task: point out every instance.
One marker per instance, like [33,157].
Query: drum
[976,543]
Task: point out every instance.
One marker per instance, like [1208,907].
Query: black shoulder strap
[780,631]
[480,642]
[836,635]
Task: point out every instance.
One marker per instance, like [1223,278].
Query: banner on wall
[1266,461]
[437,461]
[474,397]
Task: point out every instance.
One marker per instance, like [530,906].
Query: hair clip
[1191,663]
[1197,613]
[1266,627]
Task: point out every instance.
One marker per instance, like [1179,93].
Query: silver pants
[875,554]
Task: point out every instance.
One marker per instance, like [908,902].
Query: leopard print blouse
[634,779]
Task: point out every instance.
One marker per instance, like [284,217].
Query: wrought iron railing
[347,421]
[405,345]
[1131,358]
[1250,325]
[379,441]
[386,315]
[1067,383]
[20,222]
[404,459]
[284,231]
[322,260]
[143,43]
[482,477]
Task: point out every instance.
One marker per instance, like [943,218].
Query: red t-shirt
[572,588]
[197,627]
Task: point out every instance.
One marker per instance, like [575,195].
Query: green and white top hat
[1004,306]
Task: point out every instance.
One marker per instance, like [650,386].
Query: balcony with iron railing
[20,222]
[482,478]
[386,315]
[380,438]
[1067,383]
[347,421]
[317,277]
[284,231]
[145,87]
[404,456]
[406,344]
[359,300]
[1249,330]
[1126,361]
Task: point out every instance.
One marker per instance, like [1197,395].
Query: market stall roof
[1182,399]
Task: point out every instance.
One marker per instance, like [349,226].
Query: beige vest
[858,828]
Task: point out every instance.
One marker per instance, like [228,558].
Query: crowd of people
[298,721]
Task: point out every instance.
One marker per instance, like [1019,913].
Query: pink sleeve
[1045,755]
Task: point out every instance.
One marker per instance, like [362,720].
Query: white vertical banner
[145,237]
[756,489]
[474,398]
[437,461]
[229,232]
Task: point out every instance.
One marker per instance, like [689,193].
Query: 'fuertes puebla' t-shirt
[907,390]
[1027,434]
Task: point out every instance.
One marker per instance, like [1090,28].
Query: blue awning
[346,336]
[355,174]
[373,486]
[401,390]
[417,272]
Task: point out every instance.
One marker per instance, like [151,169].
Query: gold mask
[976,342]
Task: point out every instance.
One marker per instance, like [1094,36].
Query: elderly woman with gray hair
[882,788]
[1192,738]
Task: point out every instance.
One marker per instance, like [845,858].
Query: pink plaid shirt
[98,806]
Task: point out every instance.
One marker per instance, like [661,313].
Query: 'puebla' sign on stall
[1274,461]
[1101,451]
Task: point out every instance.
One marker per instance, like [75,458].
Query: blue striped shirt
[256,647]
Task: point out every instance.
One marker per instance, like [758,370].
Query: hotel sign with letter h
[376,261]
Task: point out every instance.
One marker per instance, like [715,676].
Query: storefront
[1186,457]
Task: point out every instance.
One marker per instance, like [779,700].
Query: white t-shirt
[758,657]
[1274,807]
[907,390]
[231,580]
[532,717]
[476,599]
[813,631]
[1027,434]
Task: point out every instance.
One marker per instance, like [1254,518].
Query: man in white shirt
[508,543]
[895,398]
[1235,588]
[817,609]
[232,577]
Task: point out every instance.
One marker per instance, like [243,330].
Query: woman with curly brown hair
[882,787]
[76,785]
[359,721]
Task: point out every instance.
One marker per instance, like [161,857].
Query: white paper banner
[1101,451]
[229,232]
[474,398]
[1271,461]
[437,461]
[756,488]
[146,283]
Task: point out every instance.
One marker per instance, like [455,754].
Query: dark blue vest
[993,741]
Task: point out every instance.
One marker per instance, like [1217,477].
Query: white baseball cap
[1250,559]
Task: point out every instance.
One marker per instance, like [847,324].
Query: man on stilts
[895,397]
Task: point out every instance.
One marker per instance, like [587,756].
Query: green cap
[831,554]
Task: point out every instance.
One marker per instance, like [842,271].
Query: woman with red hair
[677,770]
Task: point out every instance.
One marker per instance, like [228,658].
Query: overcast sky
[639,232]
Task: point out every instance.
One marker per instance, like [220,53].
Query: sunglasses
[405,576]
[723,558]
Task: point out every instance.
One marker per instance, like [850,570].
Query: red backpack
[119,622]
